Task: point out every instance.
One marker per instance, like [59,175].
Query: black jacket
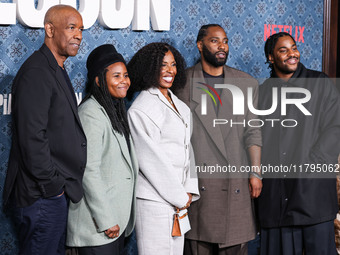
[293,198]
[48,152]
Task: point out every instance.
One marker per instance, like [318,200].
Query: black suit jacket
[48,151]
[301,196]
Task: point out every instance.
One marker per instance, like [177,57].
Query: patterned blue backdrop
[245,21]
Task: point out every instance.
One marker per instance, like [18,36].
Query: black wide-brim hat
[100,58]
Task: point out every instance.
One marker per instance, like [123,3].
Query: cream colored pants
[153,228]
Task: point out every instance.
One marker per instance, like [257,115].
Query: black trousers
[113,248]
[297,240]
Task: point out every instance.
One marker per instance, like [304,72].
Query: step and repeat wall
[247,22]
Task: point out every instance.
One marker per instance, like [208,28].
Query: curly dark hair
[270,45]
[145,68]
[203,31]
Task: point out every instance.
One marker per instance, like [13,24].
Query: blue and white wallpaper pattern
[245,21]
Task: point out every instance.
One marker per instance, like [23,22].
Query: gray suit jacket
[109,182]
[224,212]
[162,139]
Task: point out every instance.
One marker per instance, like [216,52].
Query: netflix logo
[295,31]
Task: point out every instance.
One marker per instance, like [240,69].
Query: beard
[212,59]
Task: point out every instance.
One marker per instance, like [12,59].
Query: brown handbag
[176,228]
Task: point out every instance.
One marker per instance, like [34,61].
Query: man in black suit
[48,153]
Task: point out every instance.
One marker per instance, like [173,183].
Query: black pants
[42,226]
[308,240]
[113,248]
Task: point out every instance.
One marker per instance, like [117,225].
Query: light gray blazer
[109,182]
[162,140]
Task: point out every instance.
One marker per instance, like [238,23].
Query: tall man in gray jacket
[222,220]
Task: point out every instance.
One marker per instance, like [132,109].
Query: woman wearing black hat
[160,128]
[106,214]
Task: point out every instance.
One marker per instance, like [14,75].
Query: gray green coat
[109,182]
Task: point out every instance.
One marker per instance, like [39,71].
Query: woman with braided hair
[99,223]
[160,128]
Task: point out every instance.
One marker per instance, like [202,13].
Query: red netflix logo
[296,32]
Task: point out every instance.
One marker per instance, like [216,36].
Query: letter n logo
[204,97]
